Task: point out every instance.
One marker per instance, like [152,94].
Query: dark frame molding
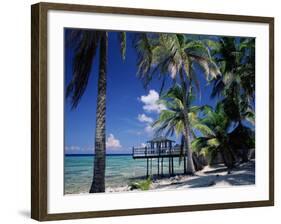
[39,110]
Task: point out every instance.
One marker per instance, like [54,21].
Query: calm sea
[120,171]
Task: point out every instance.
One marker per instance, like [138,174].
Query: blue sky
[130,107]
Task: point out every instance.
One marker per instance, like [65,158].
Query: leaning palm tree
[224,139]
[217,142]
[86,43]
[178,56]
[171,119]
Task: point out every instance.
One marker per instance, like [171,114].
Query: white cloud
[142,145]
[148,121]
[151,103]
[144,118]
[149,130]
[72,148]
[112,142]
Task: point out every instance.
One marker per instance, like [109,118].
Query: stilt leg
[151,167]
[158,166]
[147,168]
[162,166]
[172,165]
[169,166]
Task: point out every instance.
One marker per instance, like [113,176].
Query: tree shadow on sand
[242,175]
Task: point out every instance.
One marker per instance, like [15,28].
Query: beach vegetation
[143,185]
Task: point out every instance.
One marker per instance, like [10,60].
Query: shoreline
[210,176]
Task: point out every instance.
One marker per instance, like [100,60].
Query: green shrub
[143,185]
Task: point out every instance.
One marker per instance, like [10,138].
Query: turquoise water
[120,171]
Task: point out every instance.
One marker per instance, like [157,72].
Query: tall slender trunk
[183,152]
[190,169]
[244,155]
[227,158]
[98,183]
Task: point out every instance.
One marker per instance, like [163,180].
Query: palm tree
[210,145]
[241,148]
[171,120]
[179,56]
[236,85]
[86,43]
[236,58]
[223,139]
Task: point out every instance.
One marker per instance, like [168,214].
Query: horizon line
[92,154]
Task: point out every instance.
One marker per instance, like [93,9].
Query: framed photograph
[138,111]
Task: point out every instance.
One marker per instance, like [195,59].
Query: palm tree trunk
[190,165]
[98,183]
[227,158]
[190,169]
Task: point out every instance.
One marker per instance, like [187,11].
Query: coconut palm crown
[179,57]
[171,120]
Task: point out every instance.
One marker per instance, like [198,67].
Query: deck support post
[172,165]
[158,160]
[145,153]
[158,166]
[170,153]
[162,166]
[147,168]
[151,166]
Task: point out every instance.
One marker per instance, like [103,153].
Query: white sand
[216,176]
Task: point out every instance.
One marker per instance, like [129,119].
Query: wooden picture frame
[39,110]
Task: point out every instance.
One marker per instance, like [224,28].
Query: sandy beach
[214,176]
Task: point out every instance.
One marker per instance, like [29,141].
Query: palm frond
[213,142]
[214,70]
[197,49]
[123,43]
[204,129]
[199,143]
[144,54]
[86,44]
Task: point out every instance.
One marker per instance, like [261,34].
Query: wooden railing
[155,152]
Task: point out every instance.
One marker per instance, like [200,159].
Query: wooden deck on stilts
[160,153]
